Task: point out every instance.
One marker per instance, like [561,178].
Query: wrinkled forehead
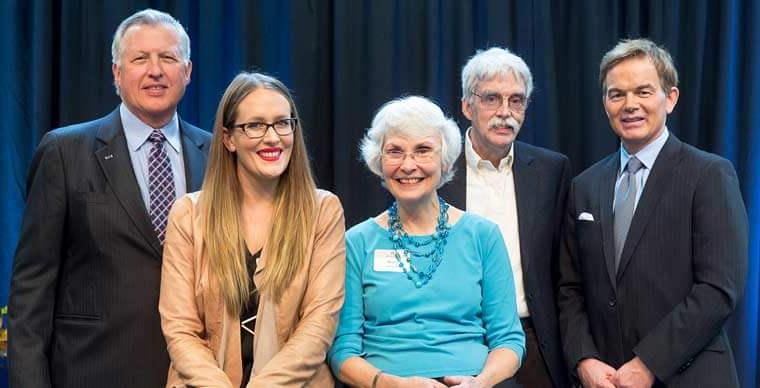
[412,137]
[150,37]
[508,79]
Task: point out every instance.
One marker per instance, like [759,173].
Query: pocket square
[585,216]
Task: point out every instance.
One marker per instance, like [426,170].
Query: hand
[595,374]
[463,382]
[408,382]
[633,374]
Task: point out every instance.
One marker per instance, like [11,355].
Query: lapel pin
[109,156]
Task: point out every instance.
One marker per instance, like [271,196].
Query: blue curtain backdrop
[344,58]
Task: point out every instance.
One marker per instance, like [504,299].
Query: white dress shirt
[491,194]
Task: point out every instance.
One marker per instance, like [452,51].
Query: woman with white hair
[429,295]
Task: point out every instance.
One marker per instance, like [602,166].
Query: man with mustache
[654,252]
[522,188]
[84,291]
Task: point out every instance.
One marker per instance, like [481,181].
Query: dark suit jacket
[541,178]
[84,291]
[681,272]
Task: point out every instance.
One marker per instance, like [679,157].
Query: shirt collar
[137,132]
[646,155]
[475,161]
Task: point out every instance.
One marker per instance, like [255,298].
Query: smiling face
[409,180]
[494,129]
[264,159]
[152,76]
[635,103]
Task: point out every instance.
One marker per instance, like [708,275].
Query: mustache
[499,122]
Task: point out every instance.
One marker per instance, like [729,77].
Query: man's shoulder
[595,171]
[195,133]
[83,129]
[693,154]
[540,153]
[79,134]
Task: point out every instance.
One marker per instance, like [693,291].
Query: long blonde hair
[220,205]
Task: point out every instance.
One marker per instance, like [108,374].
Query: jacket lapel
[113,157]
[656,187]
[606,194]
[527,184]
[194,158]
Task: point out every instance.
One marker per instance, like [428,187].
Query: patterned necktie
[161,184]
[625,199]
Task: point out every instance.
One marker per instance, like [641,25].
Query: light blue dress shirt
[647,157]
[137,134]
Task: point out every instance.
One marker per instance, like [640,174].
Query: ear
[467,108]
[116,75]
[672,99]
[188,71]
[228,140]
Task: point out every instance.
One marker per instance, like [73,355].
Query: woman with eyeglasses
[429,292]
[249,296]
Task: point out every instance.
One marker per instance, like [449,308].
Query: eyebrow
[261,119]
[639,87]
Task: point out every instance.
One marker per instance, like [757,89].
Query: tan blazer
[292,337]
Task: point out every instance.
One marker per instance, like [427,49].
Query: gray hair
[492,63]
[630,48]
[150,17]
[412,116]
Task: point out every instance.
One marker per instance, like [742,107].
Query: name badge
[385,261]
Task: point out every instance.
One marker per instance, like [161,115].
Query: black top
[248,320]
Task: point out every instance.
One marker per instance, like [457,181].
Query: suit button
[612,303]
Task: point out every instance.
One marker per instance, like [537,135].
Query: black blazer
[542,178]
[681,272]
[84,291]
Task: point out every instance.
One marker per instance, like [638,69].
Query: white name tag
[386,261]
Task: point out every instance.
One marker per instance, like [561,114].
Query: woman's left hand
[463,382]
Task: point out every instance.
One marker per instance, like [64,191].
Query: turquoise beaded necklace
[415,250]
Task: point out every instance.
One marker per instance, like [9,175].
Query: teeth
[271,154]
[409,180]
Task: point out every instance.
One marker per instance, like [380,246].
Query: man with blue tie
[84,291]
[654,252]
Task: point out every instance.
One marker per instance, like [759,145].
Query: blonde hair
[220,201]
[644,48]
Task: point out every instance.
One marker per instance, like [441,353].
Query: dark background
[345,58]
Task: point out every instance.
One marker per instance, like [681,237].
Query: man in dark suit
[84,290]
[522,188]
[654,253]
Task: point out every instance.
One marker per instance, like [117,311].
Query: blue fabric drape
[344,58]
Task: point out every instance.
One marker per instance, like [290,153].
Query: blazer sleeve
[35,268]
[719,258]
[295,364]
[575,331]
[181,319]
